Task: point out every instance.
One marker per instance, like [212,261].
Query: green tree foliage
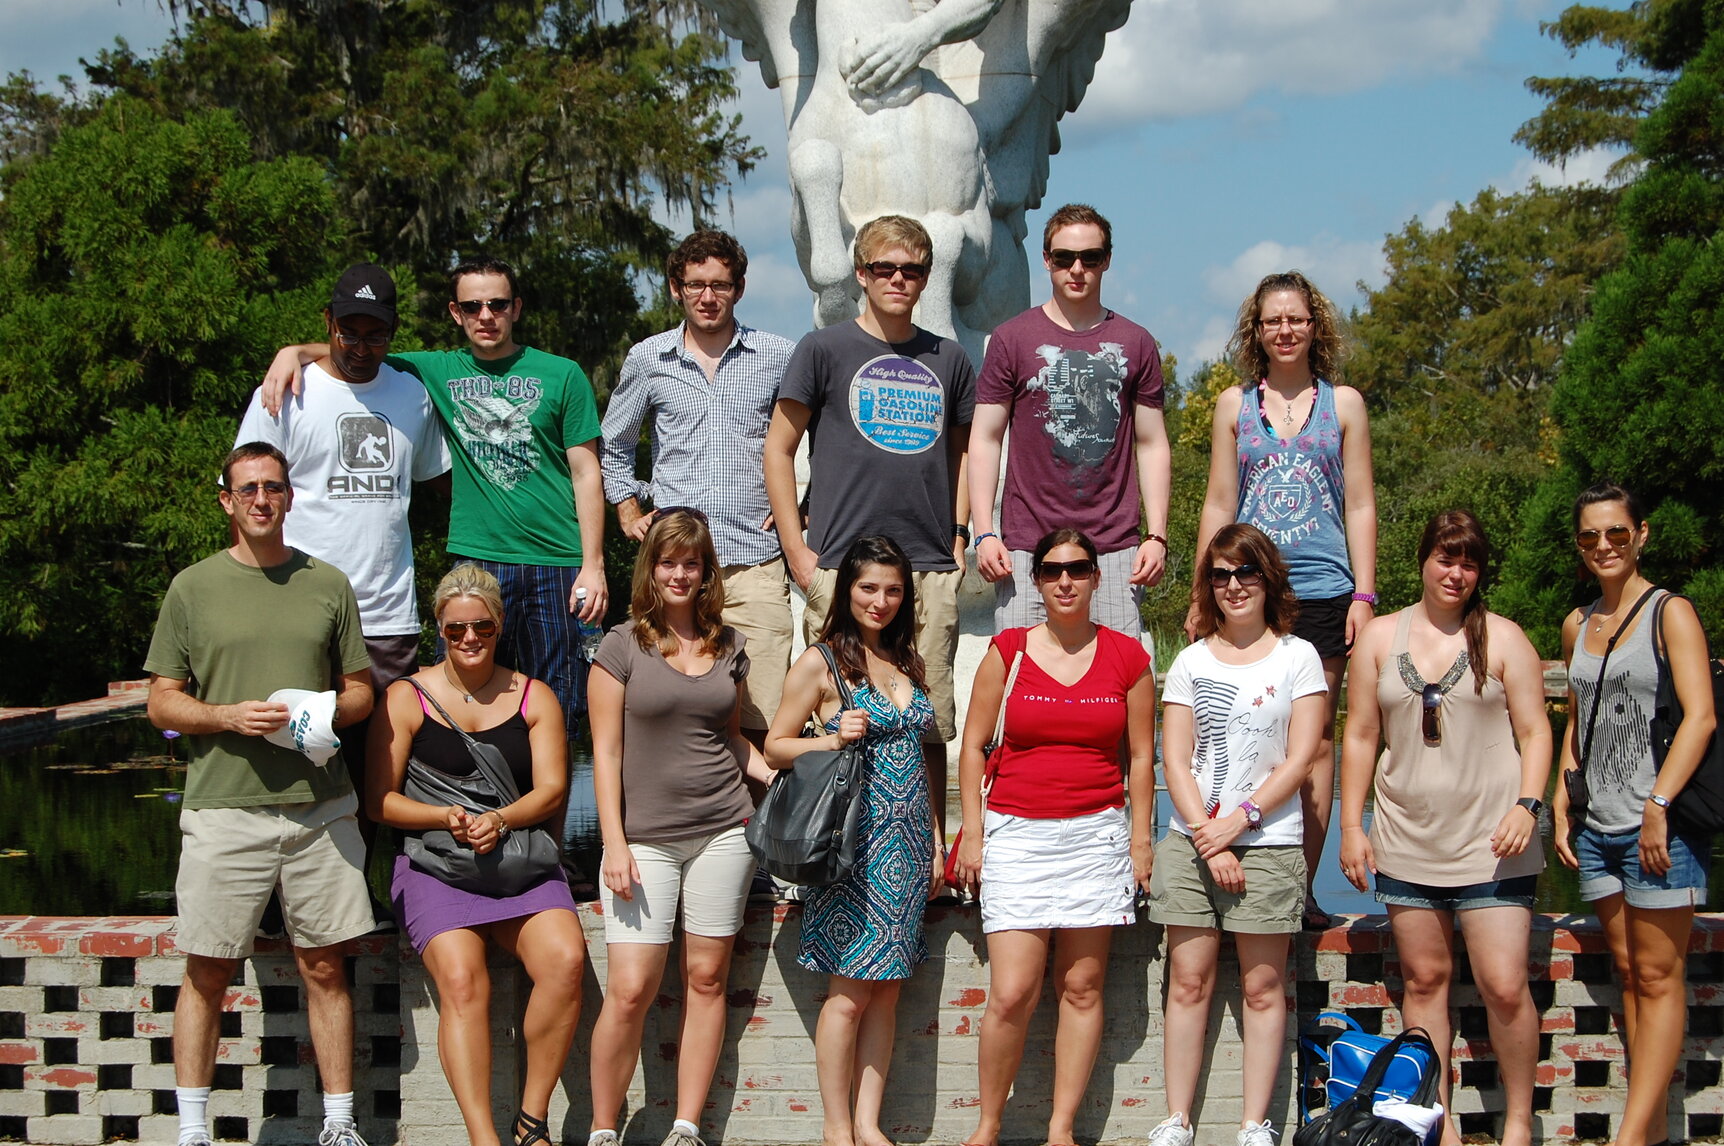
[1634,402]
[166,227]
[148,265]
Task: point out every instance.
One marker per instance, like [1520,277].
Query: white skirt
[1040,874]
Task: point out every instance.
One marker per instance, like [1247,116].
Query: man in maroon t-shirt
[1081,389]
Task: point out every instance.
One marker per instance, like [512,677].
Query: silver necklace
[455,681]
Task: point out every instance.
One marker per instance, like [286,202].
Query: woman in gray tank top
[1643,878]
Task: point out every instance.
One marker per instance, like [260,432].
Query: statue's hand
[883,58]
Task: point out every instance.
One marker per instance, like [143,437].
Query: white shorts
[709,874]
[1039,874]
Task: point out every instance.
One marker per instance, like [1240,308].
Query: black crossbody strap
[1598,689]
[485,756]
[846,699]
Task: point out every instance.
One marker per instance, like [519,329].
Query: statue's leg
[963,245]
[816,180]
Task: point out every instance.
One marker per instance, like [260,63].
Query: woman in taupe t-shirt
[664,698]
[1452,689]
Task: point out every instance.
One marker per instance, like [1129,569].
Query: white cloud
[1334,264]
[1592,166]
[1176,58]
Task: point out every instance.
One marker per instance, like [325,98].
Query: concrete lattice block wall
[86,1024]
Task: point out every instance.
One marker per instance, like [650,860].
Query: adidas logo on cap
[365,292]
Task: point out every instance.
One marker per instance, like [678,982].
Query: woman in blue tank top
[1290,452]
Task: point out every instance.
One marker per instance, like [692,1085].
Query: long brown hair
[672,534]
[1327,349]
[1457,533]
[843,635]
[1245,544]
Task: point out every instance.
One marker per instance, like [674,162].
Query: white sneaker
[1257,1134]
[340,1133]
[1172,1132]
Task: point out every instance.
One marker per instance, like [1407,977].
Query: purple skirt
[426,907]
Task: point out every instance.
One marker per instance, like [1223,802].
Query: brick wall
[85,1053]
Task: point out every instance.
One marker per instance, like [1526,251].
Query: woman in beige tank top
[1450,689]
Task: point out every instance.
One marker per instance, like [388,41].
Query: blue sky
[1223,138]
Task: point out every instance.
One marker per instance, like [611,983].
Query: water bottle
[587,634]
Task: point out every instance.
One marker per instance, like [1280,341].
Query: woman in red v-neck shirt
[1055,849]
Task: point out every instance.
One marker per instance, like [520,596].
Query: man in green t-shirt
[255,618]
[528,502]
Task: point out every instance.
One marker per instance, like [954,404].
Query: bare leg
[1016,960]
[1612,914]
[456,963]
[552,948]
[1080,972]
[1424,940]
[835,1037]
[1263,976]
[1192,953]
[633,972]
[1497,940]
[705,972]
[874,1038]
[1658,945]
[197,1017]
[329,1012]
[1317,794]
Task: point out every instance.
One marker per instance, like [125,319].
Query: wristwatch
[1531,804]
[1660,801]
[1253,814]
[962,531]
[1368,598]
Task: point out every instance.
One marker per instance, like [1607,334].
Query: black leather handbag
[1699,808]
[522,858]
[805,829]
[1351,1122]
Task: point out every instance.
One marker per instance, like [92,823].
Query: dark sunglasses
[1079,569]
[455,630]
[475,305]
[1063,259]
[1618,536]
[1247,575]
[1432,699]
[912,272]
[661,514]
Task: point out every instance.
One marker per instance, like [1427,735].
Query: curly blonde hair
[1327,348]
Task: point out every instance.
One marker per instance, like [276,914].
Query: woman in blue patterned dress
[865,932]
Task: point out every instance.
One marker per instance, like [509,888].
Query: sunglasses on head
[456,630]
[1431,700]
[475,305]
[1618,535]
[1247,575]
[1091,258]
[661,514]
[912,272]
[1078,570]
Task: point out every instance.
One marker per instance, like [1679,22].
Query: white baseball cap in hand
[310,726]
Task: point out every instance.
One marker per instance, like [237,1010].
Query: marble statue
[943,110]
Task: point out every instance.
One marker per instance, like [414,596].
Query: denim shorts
[1515,892]
[1610,864]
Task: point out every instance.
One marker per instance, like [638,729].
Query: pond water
[95,830]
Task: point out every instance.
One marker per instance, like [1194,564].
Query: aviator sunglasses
[1431,700]
[475,305]
[1618,536]
[456,630]
[1247,575]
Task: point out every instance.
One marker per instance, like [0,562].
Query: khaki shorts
[1183,893]
[232,858]
[1018,604]
[936,636]
[709,875]
[757,605]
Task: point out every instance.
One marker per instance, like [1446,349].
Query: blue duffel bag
[1335,1052]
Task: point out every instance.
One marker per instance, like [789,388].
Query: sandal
[529,1130]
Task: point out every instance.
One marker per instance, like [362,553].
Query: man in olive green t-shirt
[234,628]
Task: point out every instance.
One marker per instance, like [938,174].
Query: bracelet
[1660,801]
[981,537]
[1368,598]
[502,824]
[1156,537]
